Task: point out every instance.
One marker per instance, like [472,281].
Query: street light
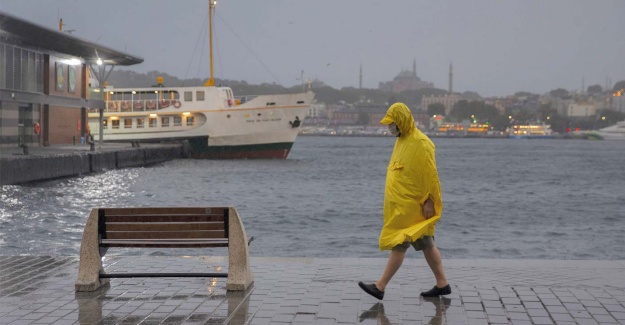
[101,84]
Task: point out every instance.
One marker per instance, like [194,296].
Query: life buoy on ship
[229,102]
[37,128]
[177,104]
[296,122]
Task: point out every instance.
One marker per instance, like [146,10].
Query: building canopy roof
[22,32]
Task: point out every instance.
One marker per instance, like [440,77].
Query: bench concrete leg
[90,263]
[239,274]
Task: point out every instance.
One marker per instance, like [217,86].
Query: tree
[560,93]
[474,110]
[594,89]
[619,85]
[436,109]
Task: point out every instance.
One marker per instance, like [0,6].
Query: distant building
[317,110]
[581,109]
[405,80]
[618,102]
[497,102]
[448,100]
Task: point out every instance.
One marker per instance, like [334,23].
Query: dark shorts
[419,245]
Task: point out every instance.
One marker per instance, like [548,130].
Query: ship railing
[138,105]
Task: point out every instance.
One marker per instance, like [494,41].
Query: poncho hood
[400,114]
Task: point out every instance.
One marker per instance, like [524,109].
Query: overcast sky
[497,47]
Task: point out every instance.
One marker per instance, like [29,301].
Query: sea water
[503,198]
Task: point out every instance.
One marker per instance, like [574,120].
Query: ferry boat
[531,131]
[216,124]
[613,132]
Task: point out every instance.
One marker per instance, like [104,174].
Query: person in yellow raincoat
[412,202]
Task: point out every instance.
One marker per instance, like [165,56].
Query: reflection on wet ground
[436,313]
[40,289]
[94,307]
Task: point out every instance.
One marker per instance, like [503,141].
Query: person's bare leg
[433,257]
[392,265]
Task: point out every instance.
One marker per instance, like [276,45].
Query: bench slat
[164,243]
[164,218]
[164,210]
[164,226]
[163,234]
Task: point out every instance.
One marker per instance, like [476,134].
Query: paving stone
[541,320]
[561,318]
[605,319]
[497,319]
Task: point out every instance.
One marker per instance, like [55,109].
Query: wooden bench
[163,227]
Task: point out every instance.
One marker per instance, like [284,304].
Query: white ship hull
[614,132]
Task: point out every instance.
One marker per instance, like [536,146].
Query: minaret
[451,78]
[360,78]
[583,86]
[414,67]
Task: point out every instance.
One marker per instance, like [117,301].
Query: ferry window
[199,95]
[127,123]
[177,121]
[115,124]
[190,120]
[188,96]
[105,124]
[139,123]
[152,122]
[164,121]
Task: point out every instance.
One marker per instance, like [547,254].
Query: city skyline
[496,48]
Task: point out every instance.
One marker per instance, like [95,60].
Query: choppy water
[544,199]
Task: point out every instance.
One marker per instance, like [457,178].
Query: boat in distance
[613,132]
[531,131]
[216,124]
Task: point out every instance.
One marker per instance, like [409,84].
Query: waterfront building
[44,85]
[581,109]
[618,101]
[317,111]
[448,100]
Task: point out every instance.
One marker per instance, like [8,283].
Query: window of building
[152,122]
[164,121]
[127,123]
[190,120]
[139,123]
[115,124]
[188,96]
[199,95]
[177,120]
[105,124]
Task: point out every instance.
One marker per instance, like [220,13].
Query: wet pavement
[40,290]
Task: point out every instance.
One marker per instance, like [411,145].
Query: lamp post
[101,84]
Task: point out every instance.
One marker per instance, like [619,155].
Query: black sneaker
[436,291]
[372,290]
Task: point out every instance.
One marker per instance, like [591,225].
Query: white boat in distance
[216,124]
[614,132]
[531,131]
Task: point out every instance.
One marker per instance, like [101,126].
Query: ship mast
[211,5]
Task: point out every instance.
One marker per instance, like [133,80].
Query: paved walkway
[15,152]
[40,290]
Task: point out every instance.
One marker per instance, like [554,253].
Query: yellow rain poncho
[411,179]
